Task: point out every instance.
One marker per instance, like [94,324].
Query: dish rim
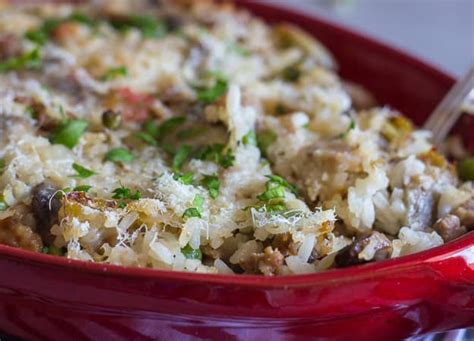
[368,270]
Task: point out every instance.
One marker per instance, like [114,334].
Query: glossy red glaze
[45,297]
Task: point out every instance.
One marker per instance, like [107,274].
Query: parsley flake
[28,60]
[82,172]
[191,253]
[149,26]
[112,73]
[180,157]
[69,133]
[351,126]
[196,210]
[265,139]
[126,193]
[217,154]
[212,184]
[210,95]
[82,188]
[119,155]
[250,139]
[186,178]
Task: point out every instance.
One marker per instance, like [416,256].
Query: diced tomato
[135,106]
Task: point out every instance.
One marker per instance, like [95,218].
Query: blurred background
[439,31]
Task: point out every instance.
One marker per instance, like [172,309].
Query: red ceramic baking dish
[46,297]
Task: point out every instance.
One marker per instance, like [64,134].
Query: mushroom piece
[45,206]
[372,246]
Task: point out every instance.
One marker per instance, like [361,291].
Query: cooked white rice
[356,169]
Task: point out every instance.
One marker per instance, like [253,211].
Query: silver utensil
[447,113]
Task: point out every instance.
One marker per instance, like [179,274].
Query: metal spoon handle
[446,114]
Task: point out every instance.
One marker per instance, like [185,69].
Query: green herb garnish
[82,188]
[168,126]
[147,138]
[250,139]
[186,178]
[42,34]
[119,155]
[112,73]
[185,134]
[191,253]
[208,96]
[149,26]
[196,210]
[82,172]
[126,193]
[180,157]
[217,154]
[69,133]
[265,139]
[351,126]
[212,184]
[29,60]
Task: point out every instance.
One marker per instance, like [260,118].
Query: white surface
[439,31]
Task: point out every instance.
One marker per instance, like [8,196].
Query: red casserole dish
[46,297]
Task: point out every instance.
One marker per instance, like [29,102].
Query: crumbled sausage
[285,244]
[16,234]
[466,214]
[449,227]
[10,46]
[45,206]
[373,244]
[268,262]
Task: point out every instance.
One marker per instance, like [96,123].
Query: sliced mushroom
[373,246]
[449,227]
[45,207]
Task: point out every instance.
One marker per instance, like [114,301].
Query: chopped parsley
[123,193]
[149,26]
[210,95]
[41,35]
[212,184]
[250,139]
[28,60]
[196,210]
[82,188]
[186,178]
[265,139]
[119,155]
[112,73]
[147,138]
[274,194]
[168,126]
[187,133]
[53,250]
[69,133]
[217,154]
[82,172]
[351,126]
[191,253]
[180,157]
